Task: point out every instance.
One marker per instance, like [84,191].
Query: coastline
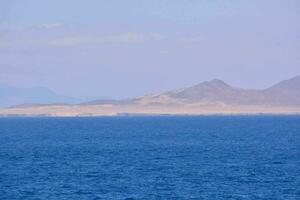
[134,110]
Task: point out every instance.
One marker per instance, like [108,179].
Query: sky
[122,49]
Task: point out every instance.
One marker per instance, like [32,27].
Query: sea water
[211,157]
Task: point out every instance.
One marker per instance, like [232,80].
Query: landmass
[207,98]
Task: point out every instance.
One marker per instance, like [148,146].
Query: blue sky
[121,49]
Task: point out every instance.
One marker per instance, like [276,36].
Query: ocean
[166,157]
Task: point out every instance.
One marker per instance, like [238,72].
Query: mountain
[209,97]
[285,93]
[12,96]
[287,86]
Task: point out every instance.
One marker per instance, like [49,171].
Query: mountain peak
[215,83]
[296,78]
[287,85]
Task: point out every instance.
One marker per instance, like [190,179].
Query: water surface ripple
[217,157]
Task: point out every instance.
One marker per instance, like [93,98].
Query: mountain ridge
[206,98]
[286,92]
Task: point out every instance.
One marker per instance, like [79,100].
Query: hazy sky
[119,49]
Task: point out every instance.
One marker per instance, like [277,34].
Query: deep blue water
[240,157]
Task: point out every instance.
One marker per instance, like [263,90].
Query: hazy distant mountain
[11,96]
[285,93]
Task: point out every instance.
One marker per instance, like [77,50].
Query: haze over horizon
[121,49]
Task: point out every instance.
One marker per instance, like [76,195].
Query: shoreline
[141,110]
[154,115]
